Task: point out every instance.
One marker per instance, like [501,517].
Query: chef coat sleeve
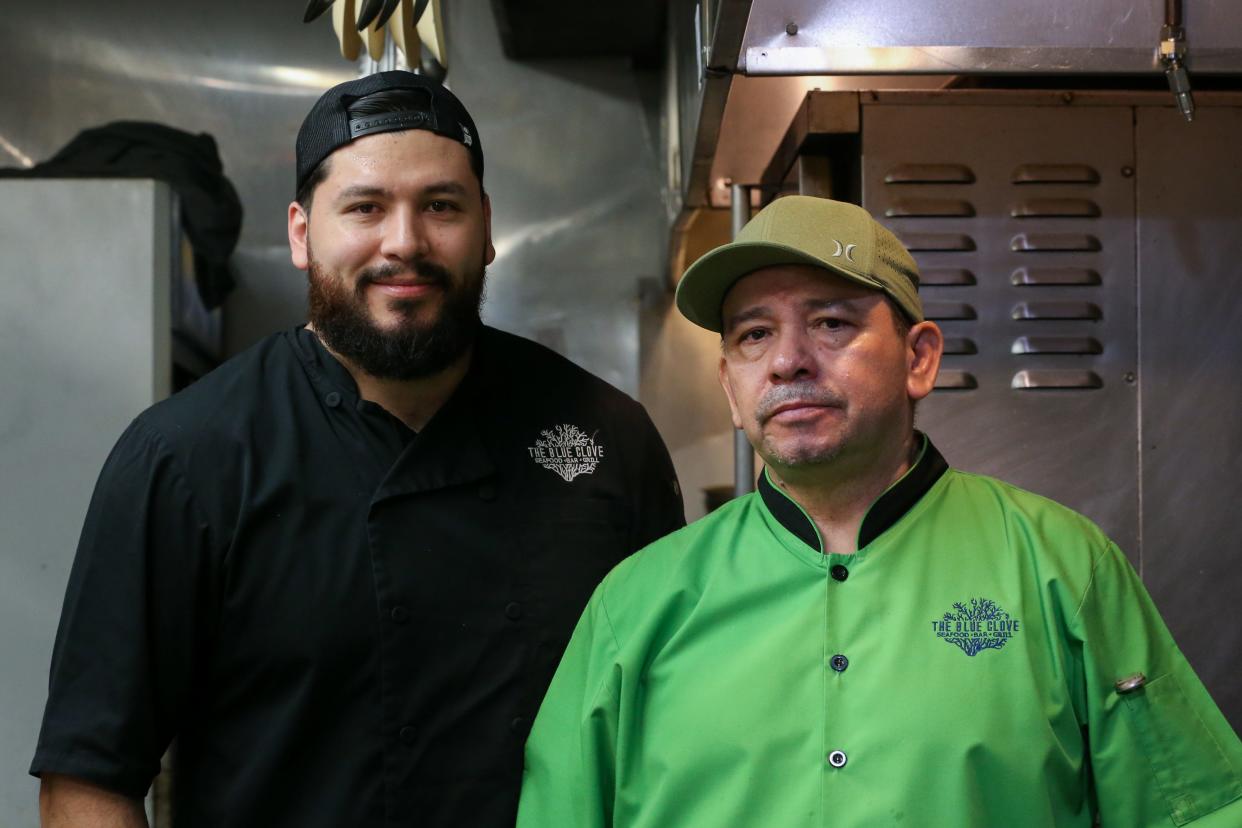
[1162,754]
[659,501]
[122,660]
[570,771]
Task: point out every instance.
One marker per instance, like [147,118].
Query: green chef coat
[959,670]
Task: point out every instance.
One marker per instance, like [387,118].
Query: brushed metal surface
[245,73]
[574,154]
[573,149]
[1189,185]
[85,322]
[981,36]
[1076,445]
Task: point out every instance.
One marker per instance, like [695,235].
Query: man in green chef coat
[870,638]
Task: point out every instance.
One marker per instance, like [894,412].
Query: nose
[404,237]
[792,358]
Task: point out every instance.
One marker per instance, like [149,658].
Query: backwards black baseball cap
[328,126]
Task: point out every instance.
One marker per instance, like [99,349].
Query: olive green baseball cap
[839,237]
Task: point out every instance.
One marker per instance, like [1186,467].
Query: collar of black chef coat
[449,450]
[329,374]
[888,508]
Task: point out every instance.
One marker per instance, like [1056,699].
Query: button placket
[836,758]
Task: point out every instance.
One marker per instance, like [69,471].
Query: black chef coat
[341,622]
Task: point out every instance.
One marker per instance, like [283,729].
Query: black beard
[340,317]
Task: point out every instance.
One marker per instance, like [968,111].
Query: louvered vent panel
[1023,227]
[1047,225]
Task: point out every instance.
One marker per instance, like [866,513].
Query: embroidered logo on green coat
[976,626]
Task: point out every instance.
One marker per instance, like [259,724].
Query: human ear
[924,347]
[299,224]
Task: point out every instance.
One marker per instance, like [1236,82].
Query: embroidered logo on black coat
[977,626]
[567,450]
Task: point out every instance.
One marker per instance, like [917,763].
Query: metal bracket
[1173,58]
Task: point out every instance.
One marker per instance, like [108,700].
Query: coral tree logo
[980,626]
[567,450]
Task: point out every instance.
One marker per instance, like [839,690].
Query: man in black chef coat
[341,569]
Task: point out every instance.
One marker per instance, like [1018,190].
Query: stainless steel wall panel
[807,37]
[1034,388]
[573,150]
[1189,185]
[244,72]
[85,325]
[573,170]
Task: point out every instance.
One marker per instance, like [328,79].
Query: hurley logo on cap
[848,250]
[466,138]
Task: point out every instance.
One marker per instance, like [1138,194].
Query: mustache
[807,392]
[422,269]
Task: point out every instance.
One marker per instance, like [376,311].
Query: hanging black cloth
[211,212]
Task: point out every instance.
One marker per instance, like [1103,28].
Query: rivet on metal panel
[791,29]
[1130,377]
[1127,172]
[1067,97]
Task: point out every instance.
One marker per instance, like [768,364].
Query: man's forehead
[410,145]
[389,158]
[781,283]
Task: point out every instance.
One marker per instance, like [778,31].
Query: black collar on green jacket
[887,509]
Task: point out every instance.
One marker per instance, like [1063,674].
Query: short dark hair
[307,191]
[378,103]
[901,322]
